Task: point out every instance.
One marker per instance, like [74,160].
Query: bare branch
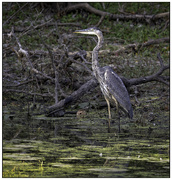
[153,77]
[26,92]
[20,84]
[90,9]
[100,21]
[139,45]
[47,24]
[23,52]
[14,14]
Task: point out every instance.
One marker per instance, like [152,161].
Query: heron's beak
[83,31]
[80,31]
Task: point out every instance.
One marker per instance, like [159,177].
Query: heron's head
[92,31]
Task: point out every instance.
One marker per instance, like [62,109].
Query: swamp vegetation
[45,65]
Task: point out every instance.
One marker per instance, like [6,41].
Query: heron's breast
[105,90]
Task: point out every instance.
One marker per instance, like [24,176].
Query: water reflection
[68,147]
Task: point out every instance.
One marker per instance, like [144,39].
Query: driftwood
[103,14]
[94,83]
[91,84]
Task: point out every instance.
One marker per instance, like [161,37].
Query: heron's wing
[117,89]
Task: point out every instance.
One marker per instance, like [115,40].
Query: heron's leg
[117,110]
[119,120]
[108,103]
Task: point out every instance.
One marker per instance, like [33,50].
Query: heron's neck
[95,63]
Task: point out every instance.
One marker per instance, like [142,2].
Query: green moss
[80,161]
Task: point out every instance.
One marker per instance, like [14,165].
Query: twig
[20,84]
[148,43]
[23,53]
[26,92]
[57,84]
[166,24]
[82,64]
[55,72]
[163,68]
[153,77]
[34,27]
[14,14]
[28,29]
[101,20]
[160,60]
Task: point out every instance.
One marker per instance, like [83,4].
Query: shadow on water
[69,147]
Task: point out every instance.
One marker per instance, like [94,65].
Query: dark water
[70,147]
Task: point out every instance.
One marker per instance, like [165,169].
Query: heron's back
[113,87]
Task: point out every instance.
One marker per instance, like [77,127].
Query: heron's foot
[108,129]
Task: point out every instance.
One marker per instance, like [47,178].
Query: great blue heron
[111,84]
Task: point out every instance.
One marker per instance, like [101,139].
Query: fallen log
[91,84]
